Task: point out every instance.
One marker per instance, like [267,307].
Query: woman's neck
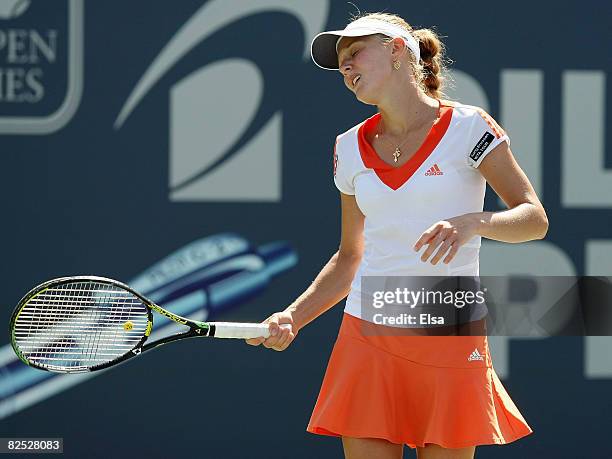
[407,111]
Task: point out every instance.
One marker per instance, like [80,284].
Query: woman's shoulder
[349,139]
[466,111]
[350,133]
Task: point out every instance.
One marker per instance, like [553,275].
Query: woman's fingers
[433,244]
[443,239]
[444,247]
[284,339]
[427,236]
[272,322]
[255,341]
[281,333]
[275,334]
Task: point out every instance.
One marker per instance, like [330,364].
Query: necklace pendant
[396,154]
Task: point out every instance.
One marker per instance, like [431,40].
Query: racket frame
[196,328]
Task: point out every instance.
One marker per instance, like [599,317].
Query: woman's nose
[345,68]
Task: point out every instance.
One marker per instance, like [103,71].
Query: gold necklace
[398,148]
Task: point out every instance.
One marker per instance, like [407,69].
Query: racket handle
[242,330]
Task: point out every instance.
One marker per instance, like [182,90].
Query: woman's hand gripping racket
[76,324]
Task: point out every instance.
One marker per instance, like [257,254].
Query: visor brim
[323,46]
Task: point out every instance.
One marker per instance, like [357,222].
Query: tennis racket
[87,323]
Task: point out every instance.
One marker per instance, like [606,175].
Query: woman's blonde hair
[430,73]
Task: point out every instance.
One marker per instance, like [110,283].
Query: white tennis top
[438,182]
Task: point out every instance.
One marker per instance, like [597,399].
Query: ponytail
[432,56]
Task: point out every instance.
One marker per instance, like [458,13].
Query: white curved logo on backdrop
[11,9]
[211,109]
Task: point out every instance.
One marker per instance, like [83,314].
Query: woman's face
[365,64]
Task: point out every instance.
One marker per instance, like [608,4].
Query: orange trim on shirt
[497,130]
[395,177]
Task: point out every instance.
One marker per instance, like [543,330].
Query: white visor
[324,46]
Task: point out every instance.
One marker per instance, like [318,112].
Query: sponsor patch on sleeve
[482,146]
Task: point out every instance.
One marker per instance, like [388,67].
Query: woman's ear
[398,47]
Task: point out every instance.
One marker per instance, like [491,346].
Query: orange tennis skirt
[414,390]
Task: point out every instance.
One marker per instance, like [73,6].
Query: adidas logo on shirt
[434,170]
[475,356]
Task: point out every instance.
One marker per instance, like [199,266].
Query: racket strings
[80,324]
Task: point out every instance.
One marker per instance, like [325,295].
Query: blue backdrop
[130,129]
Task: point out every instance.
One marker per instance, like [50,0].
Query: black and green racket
[87,323]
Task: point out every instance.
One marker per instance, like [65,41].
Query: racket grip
[243,330]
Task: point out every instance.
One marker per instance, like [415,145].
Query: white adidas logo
[475,356]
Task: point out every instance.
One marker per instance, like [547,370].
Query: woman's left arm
[524,220]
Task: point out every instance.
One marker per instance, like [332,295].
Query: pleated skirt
[414,390]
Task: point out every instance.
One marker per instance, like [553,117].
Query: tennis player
[412,183]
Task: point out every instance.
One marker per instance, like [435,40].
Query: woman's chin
[365,98]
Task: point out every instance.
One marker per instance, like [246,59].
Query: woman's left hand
[447,234]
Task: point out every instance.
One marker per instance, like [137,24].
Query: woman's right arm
[330,286]
[334,281]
